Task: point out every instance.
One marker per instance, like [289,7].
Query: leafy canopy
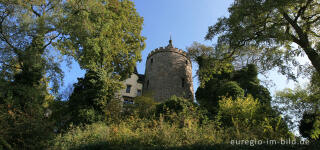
[271,33]
[103,35]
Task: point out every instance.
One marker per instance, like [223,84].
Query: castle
[168,72]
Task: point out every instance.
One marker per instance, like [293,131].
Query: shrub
[135,133]
[141,134]
[144,106]
[232,89]
[244,118]
[178,109]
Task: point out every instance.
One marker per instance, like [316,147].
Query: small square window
[128,89]
[139,92]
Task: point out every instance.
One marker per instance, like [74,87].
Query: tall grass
[167,128]
[139,133]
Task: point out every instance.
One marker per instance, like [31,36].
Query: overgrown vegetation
[104,37]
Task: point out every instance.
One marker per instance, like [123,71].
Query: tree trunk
[314,57]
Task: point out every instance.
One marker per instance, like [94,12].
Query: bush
[143,134]
[244,118]
[22,129]
[232,89]
[136,133]
[144,107]
[178,109]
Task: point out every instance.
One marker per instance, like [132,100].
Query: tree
[90,97]
[268,30]
[238,83]
[310,126]
[104,37]
[302,103]
[27,32]
[211,61]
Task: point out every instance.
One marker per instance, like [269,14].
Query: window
[128,89]
[138,92]
[151,60]
[182,82]
[186,62]
[148,84]
[128,101]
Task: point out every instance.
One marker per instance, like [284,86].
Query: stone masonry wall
[168,72]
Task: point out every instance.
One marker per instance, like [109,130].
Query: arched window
[151,60]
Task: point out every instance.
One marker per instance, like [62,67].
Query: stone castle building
[168,72]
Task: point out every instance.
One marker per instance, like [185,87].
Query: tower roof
[170,42]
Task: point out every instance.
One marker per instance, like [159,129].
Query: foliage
[240,108]
[231,88]
[144,107]
[180,110]
[237,83]
[136,133]
[103,35]
[27,32]
[272,33]
[91,95]
[249,121]
[20,128]
[310,125]
[293,103]
[211,61]
[59,115]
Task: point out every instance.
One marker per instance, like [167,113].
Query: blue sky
[187,21]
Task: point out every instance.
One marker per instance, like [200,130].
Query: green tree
[90,97]
[104,37]
[238,83]
[310,126]
[269,30]
[302,103]
[28,30]
[211,61]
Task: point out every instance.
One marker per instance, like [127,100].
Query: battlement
[167,49]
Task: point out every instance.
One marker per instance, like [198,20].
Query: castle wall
[168,72]
[135,87]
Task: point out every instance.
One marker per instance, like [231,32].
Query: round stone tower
[168,72]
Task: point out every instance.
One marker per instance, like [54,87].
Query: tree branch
[302,10]
[35,12]
[50,41]
[315,20]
